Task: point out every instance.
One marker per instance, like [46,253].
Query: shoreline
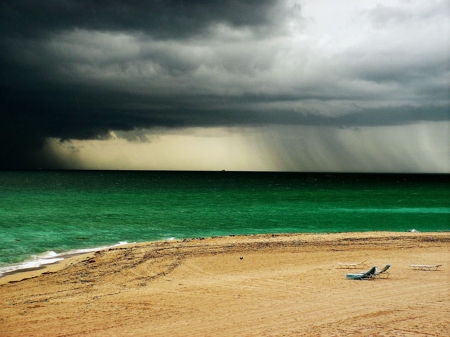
[253,285]
[54,259]
[62,258]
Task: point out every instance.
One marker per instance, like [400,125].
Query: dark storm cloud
[78,69]
[36,106]
[157,18]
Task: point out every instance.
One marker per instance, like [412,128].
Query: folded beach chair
[351,264]
[383,272]
[425,266]
[363,276]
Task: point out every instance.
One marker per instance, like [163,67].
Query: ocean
[46,214]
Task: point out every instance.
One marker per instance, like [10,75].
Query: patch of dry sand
[284,285]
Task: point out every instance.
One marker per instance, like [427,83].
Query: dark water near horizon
[50,212]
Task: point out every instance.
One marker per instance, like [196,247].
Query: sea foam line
[50,257]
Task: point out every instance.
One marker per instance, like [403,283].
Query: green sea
[46,214]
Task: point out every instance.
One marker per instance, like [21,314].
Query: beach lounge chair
[425,266]
[383,272]
[351,264]
[370,274]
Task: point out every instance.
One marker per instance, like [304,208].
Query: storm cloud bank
[77,70]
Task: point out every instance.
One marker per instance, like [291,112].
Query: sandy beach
[265,285]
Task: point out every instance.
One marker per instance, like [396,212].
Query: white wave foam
[50,257]
[122,243]
[48,254]
[36,261]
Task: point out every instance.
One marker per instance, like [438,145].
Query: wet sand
[266,285]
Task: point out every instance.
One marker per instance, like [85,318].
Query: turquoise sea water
[50,212]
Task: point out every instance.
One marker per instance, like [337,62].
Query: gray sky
[342,85]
